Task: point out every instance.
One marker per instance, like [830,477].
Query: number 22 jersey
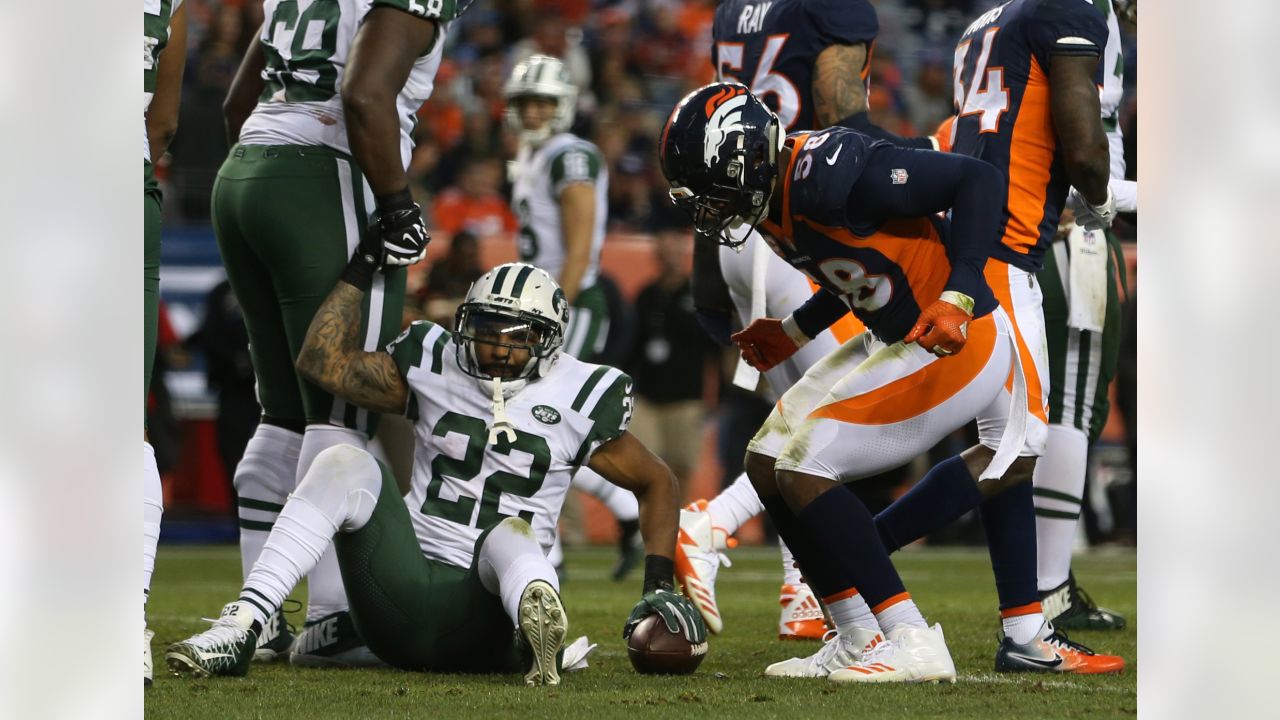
[462,484]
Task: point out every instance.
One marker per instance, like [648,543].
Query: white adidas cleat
[838,650]
[543,624]
[699,555]
[911,655]
[147,634]
[801,617]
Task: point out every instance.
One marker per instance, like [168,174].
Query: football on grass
[654,649]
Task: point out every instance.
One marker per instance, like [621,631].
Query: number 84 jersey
[462,484]
[306,44]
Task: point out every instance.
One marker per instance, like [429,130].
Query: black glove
[676,611]
[397,236]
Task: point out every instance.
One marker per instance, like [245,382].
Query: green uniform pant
[421,614]
[588,328]
[1081,363]
[150,274]
[288,219]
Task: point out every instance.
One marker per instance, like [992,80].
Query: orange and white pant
[1019,294]
[869,407]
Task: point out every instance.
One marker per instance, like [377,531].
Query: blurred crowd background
[632,60]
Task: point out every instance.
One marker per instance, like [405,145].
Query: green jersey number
[496,485]
[309,74]
[526,240]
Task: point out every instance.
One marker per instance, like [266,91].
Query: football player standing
[319,116]
[560,196]
[164,26]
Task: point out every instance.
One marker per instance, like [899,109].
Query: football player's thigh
[796,403]
[899,403]
[251,282]
[150,271]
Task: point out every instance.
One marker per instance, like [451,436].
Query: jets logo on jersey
[724,113]
[546,414]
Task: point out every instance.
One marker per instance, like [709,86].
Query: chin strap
[501,426]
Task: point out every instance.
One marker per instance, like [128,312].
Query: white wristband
[959,299]
[793,331]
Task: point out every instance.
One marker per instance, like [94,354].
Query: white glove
[1093,217]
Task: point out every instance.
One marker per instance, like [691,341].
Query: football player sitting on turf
[438,581]
[858,217]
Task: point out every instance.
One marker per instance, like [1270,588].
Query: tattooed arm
[838,89]
[331,356]
[840,95]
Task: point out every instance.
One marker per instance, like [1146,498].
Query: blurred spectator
[475,205]
[224,341]
[669,359]
[450,279]
[928,100]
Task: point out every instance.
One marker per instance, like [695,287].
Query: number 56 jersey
[462,484]
[307,44]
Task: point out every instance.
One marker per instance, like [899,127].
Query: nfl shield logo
[898,176]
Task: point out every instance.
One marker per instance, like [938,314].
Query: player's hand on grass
[766,342]
[676,611]
[943,327]
[398,229]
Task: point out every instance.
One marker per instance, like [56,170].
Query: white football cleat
[147,634]
[838,651]
[911,655]
[699,555]
[802,617]
[543,625]
[224,649]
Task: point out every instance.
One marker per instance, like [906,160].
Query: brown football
[654,649]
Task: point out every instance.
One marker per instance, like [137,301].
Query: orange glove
[766,342]
[942,136]
[943,327]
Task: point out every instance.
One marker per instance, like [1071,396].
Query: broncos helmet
[540,76]
[517,306]
[719,151]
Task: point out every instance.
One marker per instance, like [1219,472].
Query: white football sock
[325,593]
[790,572]
[263,479]
[622,503]
[509,559]
[734,506]
[902,612]
[152,510]
[852,612]
[1058,488]
[555,554]
[1022,628]
[338,495]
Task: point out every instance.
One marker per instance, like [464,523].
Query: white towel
[1015,429]
[1087,279]
[745,376]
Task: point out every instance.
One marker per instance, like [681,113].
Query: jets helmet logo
[724,117]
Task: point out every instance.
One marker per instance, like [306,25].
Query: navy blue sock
[822,571]
[1010,522]
[945,493]
[844,528]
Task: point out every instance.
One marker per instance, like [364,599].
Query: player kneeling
[439,581]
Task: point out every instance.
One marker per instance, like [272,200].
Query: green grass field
[952,586]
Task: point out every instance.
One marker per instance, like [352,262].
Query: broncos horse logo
[724,117]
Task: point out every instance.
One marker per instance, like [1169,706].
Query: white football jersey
[785,289]
[307,43]
[539,175]
[461,485]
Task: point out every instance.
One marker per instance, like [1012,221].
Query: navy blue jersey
[771,47]
[885,265]
[1004,116]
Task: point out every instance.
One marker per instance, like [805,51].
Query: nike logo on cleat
[1047,664]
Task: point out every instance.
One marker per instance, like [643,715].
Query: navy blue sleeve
[901,183]
[819,313]
[843,22]
[1066,27]
[861,121]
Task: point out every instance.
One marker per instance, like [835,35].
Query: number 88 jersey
[462,484]
[307,44]
[1003,114]
[771,46]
